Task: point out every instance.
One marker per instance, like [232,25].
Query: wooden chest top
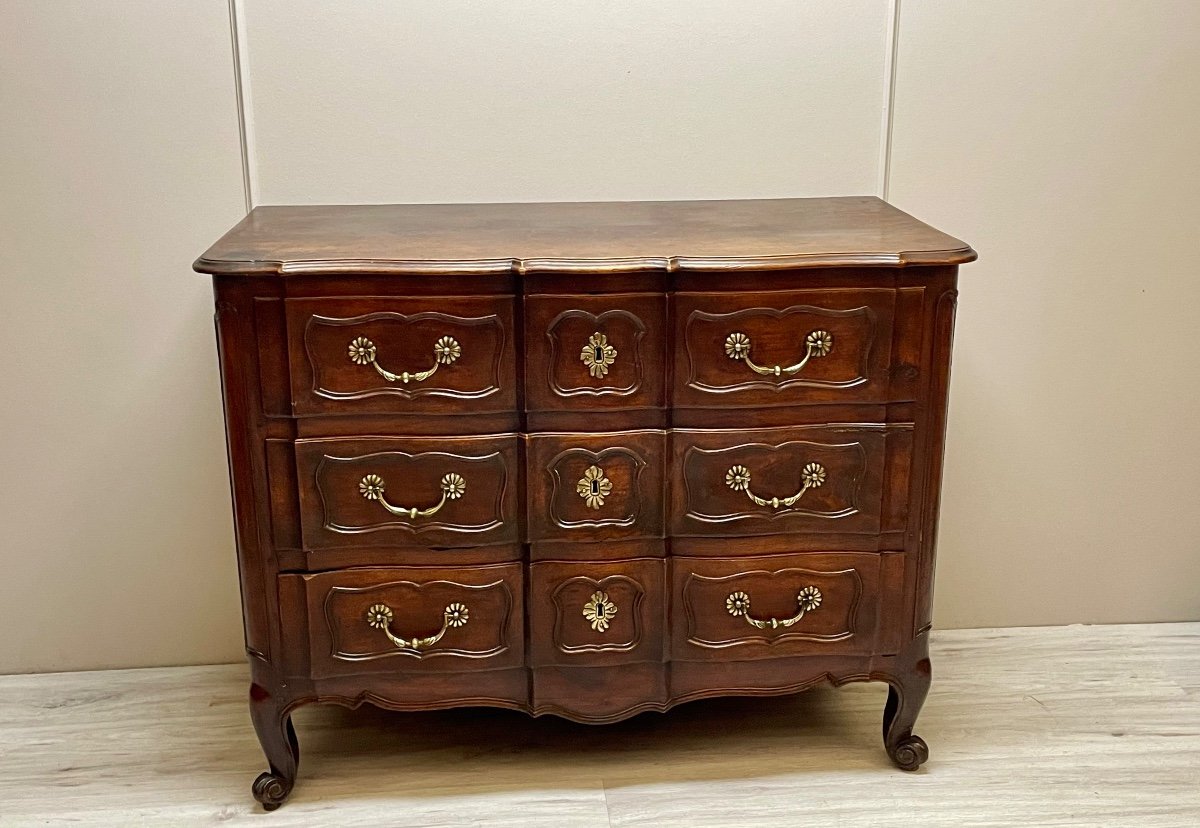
[587,237]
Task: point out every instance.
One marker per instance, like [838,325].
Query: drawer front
[408,491]
[414,619]
[735,609]
[589,614]
[783,348]
[594,352]
[822,479]
[597,486]
[428,355]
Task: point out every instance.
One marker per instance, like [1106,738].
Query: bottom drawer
[399,619]
[735,609]
[585,613]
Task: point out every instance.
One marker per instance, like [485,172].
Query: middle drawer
[849,479]
[408,491]
[631,487]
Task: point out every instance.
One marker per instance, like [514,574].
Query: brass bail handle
[372,487]
[812,476]
[380,617]
[362,351]
[816,344]
[807,600]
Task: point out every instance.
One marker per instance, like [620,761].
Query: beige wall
[492,101]
[1061,139]
[119,161]
[1056,137]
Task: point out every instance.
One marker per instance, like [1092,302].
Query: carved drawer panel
[737,609]
[408,491]
[583,614]
[591,487]
[823,479]
[427,355]
[594,352]
[414,619]
[783,348]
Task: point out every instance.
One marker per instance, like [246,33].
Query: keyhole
[595,487]
[599,354]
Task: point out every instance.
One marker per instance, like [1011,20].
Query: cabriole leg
[278,739]
[906,694]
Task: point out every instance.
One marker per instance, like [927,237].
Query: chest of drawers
[583,459]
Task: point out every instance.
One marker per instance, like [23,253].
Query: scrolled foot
[910,753]
[909,684]
[278,738]
[271,790]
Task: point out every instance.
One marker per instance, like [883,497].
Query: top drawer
[783,348]
[427,355]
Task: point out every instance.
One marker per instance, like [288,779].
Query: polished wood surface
[850,461]
[588,237]
[773,327]
[845,620]
[326,379]
[633,464]
[343,642]
[1063,726]
[560,329]
[411,472]
[563,617]
[468,480]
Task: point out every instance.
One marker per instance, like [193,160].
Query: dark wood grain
[632,463]
[517,414]
[846,586]
[856,323]
[558,329]
[850,459]
[342,642]
[583,237]
[412,472]
[561,634]
[403,334]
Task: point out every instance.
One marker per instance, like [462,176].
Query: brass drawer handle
[817,344]
[380,616]
[738,604]
[373,486]
[445,351]
[812,476]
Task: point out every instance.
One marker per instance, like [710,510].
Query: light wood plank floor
[1043,727]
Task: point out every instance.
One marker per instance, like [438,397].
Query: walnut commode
[584,459]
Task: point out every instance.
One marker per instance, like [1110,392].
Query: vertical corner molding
[241,88]
[890,57]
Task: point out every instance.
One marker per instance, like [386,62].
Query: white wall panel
[520,100]
[119,163]
[1060,138]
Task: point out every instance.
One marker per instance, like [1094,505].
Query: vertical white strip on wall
[889,98]
[241,80]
